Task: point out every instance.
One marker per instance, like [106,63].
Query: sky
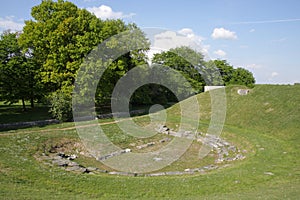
[259,35]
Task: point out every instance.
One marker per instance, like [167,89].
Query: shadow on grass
[14,114]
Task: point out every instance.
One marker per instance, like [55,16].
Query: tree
[225,70]
[61,35]
[186,61]
[17,71]
[230,75]
[241,76]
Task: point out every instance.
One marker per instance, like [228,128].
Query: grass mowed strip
[271,169]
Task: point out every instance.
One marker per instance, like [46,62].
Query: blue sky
[260,35]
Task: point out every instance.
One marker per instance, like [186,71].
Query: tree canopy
[18,72]
[44,58]
[199,72]
[185,60]
[61,35]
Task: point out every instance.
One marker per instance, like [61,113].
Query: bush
[61,105]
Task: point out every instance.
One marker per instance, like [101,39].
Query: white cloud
[273,74]
[106,12]
[190,34]
[184,37]
[197,40]
[170,39]
[220,53]
[10,23]
[252,30]
[166,40]
[221,33]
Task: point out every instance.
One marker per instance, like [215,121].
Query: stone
[127,150]
[243,91]
[77,169]
[157,174]
[232,148]
[122,173]
[269,173]
[174,173]
[132,144]
[91,169]
[56,158]
[150,144]
[61,163]
[210,167]
[72,157]
[141,146]
[61,154]
[157,159]
[173,133]
[240,157]
[72,164]
[164,140]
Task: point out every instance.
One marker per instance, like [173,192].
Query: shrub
[61,105]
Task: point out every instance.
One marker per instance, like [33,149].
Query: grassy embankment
[265,123]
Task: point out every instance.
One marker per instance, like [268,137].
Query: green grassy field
[265,123]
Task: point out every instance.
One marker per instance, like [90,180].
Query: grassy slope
[265,122]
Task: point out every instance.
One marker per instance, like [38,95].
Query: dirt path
[67,128]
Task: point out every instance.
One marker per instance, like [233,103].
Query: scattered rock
[122,173]
[132,144]
[269,173]
[73,164]
[60,162]
[174,173]
[91,169]
[163,129]
[226,152]
[157,174]
[77,169]
[157,159]
[145,145]
[72,157]
[243,91]
[114,154]
[164,140]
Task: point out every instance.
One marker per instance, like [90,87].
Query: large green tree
[241,76]
[60,37]
[18,80]
[185,60]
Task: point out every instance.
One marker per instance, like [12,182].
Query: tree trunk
[23,104]
[31,102]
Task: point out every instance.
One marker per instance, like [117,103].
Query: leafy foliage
[60,37]
[185,60]
[61,105]
[241,76]
[18,79]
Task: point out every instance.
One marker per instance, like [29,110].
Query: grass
[265,123]
[15,113]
